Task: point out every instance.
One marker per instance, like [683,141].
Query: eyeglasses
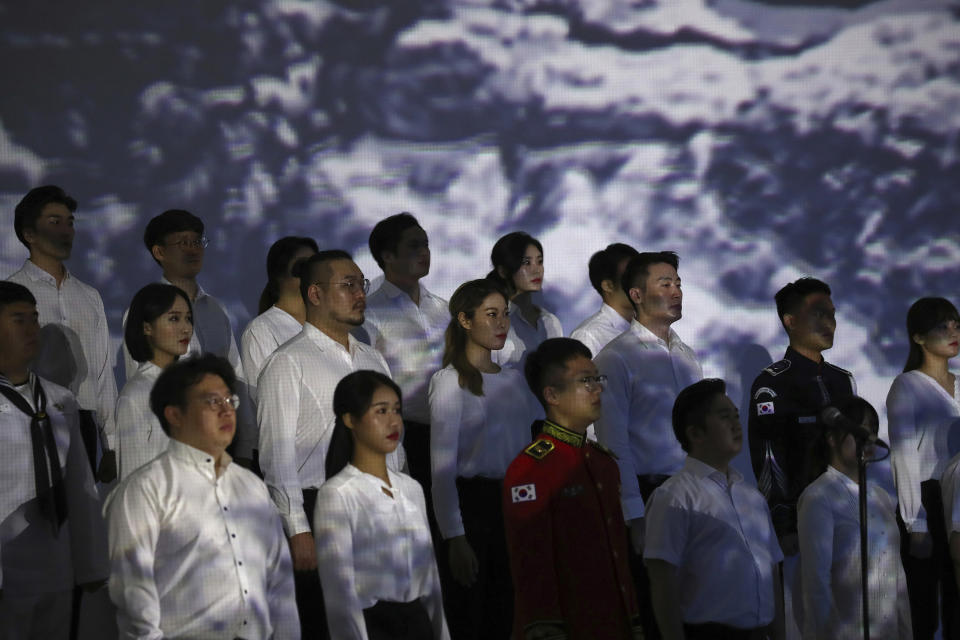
[218,403]
[352,286]
[184,243]
[593,383]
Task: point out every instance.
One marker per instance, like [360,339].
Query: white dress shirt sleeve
[253,354]
[815,527]
[613,429]
[446,409]
[666,526]
[106,382]
[333,535]
[133,517]
[905,436]
[281,598]
[278,413]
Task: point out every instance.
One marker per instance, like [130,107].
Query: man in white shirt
[51,532]
[711,549]
[406,323]
[295,409]
[75,341]
[197,549]
[606,270]
[176,242]
[646,367]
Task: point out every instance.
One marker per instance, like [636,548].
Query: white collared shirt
[644,376]
[600,328]
[35,561]
[717,531]
[920,415]
[139,436]
[261,338]
[522,337]
[475,436]
[410,337]
[213,333]
[295,411]
[197,556]
[75,347]
[829,533]
[371,548]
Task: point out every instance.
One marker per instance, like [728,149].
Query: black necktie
[46,462]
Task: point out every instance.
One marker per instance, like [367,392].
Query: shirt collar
[563,434]
[701,469]
[645,335]
[36,273]
[613,316]
[201,460]
[149,369]
[200,292]
[839,476]
[801,361]
[324,341]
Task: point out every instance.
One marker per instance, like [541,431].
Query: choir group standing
[333,397]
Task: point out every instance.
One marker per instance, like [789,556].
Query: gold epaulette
[539,449]
[597,445]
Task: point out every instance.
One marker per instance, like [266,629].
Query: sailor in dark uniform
[786,401]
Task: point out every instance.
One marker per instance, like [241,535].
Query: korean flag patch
[764,408]
[524,493]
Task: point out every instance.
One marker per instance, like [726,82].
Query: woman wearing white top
[922,406]
[281,309]
[158,330]
[480,419]
[374,552]
[829,534]
[518,268]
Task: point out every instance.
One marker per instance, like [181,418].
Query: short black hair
[635,275]
[308,270]
[170,221]
[29,208]
[13,292]
[603,264]
[691,407]
[546,364]
[385,235]
[790,298]
[147,305]
[175,381]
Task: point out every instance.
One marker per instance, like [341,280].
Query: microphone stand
[862,470]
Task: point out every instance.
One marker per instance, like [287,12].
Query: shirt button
[233,535]
[225,509]
[599,486]
[240,563]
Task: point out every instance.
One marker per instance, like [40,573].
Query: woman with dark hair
[281,309]
[480,417]
[157,332]
[374,552]
[922,406]
[829,534]
[518,268]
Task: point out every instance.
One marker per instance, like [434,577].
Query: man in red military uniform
[561,505]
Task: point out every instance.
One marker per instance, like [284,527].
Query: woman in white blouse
[829,534]
[923,406]
[158,331]
[480,419]
[281,309]
[374,552]
[518,268]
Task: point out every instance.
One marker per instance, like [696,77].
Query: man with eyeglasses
[647,366]
[74,340]
[176,242]
[196,547]
[561,509]
[295,410]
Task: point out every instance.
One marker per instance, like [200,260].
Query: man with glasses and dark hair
[561,508]
[176,242]
[295,409]
[196,547]
[74,340]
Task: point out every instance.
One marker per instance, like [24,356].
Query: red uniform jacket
[567,538]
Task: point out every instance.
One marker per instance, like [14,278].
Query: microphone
[832,417]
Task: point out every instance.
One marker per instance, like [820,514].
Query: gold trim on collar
[564,435]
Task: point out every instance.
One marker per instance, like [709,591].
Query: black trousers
[398,621]
[930,581]
[416,443]
[313,615]
[641,581]
[714,631]
[483,611]
[89,432]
